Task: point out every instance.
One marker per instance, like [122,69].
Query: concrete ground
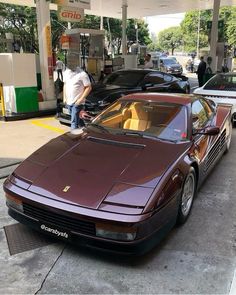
[197,258]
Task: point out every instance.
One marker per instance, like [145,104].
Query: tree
[189,27]
[21,21]
[170,39]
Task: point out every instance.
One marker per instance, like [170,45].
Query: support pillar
[214,35]
[124,27]
[45,51]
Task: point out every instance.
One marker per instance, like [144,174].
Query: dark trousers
[59,73]
[200,80]
[74,111]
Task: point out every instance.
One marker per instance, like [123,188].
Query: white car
[221,88]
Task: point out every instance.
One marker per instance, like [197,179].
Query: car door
[202,116]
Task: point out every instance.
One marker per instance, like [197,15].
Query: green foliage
[170,39]
[189,27]
[21,21]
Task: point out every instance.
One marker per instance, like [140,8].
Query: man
[201,71]
[59,68]
[77,86]
[148,64]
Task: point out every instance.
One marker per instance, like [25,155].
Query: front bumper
[78,225]
[137,247]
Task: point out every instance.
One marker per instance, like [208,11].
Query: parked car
[169,65]
[173,57]
[127,178]
[123,82]
[221,88]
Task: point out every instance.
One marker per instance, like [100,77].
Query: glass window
[222,82]
[199,115]
[207,108]
[168,61]
[157,78]
[161,120]
[124,78]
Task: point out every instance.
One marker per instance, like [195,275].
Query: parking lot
[197,258]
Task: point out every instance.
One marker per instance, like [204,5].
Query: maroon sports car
[126,179]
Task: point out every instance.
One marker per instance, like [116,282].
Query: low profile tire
[187,196]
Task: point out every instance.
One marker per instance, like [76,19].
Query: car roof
[137,71]
[181,99]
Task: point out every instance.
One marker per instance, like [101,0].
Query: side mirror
[210,130]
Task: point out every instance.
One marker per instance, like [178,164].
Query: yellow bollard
[2,100]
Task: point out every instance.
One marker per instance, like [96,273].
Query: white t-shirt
[74,83]
[148,65]
[59,65]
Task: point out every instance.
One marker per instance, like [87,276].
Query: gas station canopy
[138,8]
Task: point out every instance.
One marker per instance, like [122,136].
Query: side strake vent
[215,150]
[117,143]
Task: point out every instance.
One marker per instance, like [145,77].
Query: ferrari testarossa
[127,178]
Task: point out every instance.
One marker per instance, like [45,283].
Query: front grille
[72,224]
[215,150]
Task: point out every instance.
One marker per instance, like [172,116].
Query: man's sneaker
[77,131]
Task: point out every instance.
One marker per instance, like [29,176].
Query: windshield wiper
[165,139]
[98,126]
[133,133]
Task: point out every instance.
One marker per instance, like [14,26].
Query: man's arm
[87,90]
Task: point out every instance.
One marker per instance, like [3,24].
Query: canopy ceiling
[138,8]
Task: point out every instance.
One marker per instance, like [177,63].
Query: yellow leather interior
[138,119]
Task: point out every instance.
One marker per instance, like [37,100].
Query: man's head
[202,58]
[148,57]
[58,58]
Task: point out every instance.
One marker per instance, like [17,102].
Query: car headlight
[115,232]
[14,202]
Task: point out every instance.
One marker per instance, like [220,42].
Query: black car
[124,82]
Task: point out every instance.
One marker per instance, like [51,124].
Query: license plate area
[54,231]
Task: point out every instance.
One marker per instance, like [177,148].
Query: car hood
[101,91]
[83,172]
[175,66]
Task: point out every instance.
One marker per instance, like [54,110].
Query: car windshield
[159,120]
[124,78]
[169,61]
[222,82]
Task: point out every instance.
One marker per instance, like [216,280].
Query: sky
[161,22]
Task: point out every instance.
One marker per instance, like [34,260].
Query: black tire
[187,196]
